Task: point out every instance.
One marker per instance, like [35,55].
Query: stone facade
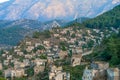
[76,60]
[113,74]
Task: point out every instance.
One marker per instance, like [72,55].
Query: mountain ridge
[107,19]
[54,9]
[25,27]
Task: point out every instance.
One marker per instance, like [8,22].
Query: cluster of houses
[57,73]
[18,62]
[19,68]
[37,53]
[100,71]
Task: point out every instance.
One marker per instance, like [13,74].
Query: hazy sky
[3,1]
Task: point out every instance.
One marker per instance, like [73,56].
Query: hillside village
[46,54]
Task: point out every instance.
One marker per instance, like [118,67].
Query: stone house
[49,54]
[63,39]
[39,65]
[62,54]
[76,59]
[38,69]
[20,53]
[55,49]
[19,73]
[6,52]
[62,76]
[94,74]
[30,48]
[79,35]
[1,66]
[40,51]
[50,60]
[7,73]
[26,62]
[55,69]
[6,62]
[37,44]
[39,62]
[15,47]
[14,73]
[72,46]
[46,42]
[57,74]
[56,35]
[88,31]
[72,40]
[9,57]
[63,32]
[113,74]
[78,50]
[28,43]
[17,50]
[96,30]
[4,55]
[18,65]
[100,65]
[28,56]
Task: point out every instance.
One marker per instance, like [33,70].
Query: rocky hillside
[11,32]
[54,9]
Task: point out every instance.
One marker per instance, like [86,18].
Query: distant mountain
[54,9]
[108,19]
[4,23]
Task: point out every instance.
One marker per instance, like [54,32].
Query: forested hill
[109,51]
[108,19]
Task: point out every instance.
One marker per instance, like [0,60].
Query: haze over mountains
[45,10]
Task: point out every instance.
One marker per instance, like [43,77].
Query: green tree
[40,47]
[90,43]
[1,52]
[73,35]
[108,19]
[75,72]
[2,78]
[30,71]
[108,50]
[36,34]
[70,53]
[1,73]
[43,56]
[63,48]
